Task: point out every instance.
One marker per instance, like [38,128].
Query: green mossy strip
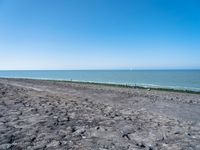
[131,86]
[116,85]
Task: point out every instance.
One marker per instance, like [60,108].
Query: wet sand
[39,114]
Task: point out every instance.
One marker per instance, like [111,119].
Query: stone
[5,146]
[54,143]
[80,131]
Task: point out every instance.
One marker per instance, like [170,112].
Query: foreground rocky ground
[57,115]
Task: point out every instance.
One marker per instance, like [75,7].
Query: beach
[44,114]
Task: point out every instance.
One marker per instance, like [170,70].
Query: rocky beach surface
[55,115]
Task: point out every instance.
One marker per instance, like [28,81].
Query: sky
[99,34]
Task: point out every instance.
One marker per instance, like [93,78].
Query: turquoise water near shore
[173,79]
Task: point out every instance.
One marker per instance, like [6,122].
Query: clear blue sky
[99,34]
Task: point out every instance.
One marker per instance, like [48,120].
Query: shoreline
[147,87]
[132,86]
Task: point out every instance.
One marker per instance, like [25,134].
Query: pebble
[53,144]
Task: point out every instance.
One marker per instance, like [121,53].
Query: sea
[169,79]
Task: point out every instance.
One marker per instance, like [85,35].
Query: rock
[126,129]
[37,147]
[126,136]
[54,143]
[72,115]
[80,131]
[32,138]
[177,132]
[5,146]
[197,146]
[64,133]
[11,139]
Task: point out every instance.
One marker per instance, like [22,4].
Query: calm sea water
[177,79]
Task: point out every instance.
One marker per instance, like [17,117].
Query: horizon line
[96,69]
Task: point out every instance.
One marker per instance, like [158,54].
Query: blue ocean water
[176,79]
